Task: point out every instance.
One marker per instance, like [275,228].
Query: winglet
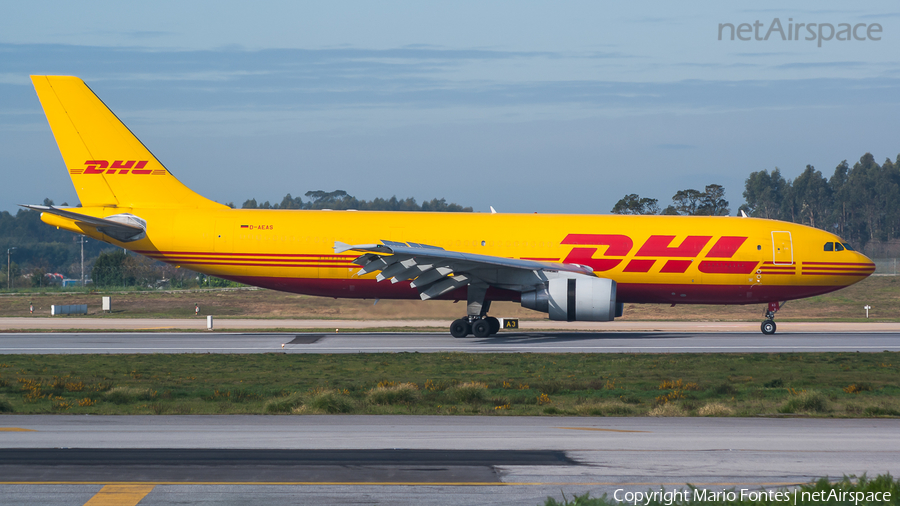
[743,214]
[493,211]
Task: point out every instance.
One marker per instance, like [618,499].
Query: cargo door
[782,248]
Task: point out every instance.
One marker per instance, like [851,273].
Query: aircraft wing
[124,227]
[435,271]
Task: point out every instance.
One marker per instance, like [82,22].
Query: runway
[521,342]
[74,323]
[422,459]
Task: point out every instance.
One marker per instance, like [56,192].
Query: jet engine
[575,299]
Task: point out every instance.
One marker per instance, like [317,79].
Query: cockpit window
[848,247]
[838,246]
[829,246]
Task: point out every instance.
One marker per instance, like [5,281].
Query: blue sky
[526,106]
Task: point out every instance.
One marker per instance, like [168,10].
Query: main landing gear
[480,327]
[476,322]
[768,327]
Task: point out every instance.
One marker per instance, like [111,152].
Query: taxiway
[62,459]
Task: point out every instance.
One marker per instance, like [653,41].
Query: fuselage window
[838,247]
[829,246]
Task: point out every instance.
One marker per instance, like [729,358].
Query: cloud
[784,53]
[880,16]
[409,80]
[675,146]
[824,64]
[141,35]
[716,65]
[804,11]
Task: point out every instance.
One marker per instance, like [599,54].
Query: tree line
[710,202]
[341,200]
[859,203]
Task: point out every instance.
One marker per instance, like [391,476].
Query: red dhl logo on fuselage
[680,257]
[136,167]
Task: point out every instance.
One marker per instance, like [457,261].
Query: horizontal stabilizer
[122,227]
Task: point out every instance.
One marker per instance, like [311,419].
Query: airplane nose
[866,263]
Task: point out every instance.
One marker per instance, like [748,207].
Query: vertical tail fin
[108,165]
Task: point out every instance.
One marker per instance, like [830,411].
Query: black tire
[494,323]
[460,328]
[768,327]
[481,328]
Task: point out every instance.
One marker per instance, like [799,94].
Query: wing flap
[434,271]
[431,276]
[445,285]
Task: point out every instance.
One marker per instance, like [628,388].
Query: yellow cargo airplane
[573,267]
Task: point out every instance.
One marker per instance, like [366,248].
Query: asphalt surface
[522,342]
[267,465]
[200,323]
[59,459]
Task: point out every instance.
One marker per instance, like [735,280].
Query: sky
[551,107]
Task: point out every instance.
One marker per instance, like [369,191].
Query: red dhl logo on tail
[117,167]
[680,258]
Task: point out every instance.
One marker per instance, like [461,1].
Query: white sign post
[209,322]
[867,308]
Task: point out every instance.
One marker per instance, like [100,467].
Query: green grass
[806,402]
[847,491]
[776,384]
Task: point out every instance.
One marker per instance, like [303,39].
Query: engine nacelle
[575,299]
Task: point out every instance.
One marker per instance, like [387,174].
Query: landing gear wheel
[768,327]
[460,328]
[494,323]
[481,328]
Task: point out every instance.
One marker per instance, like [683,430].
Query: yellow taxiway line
[120,495]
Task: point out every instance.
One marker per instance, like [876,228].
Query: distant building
[75,282]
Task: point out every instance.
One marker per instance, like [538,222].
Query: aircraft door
[782,248]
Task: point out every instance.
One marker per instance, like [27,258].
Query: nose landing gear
[768,327]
